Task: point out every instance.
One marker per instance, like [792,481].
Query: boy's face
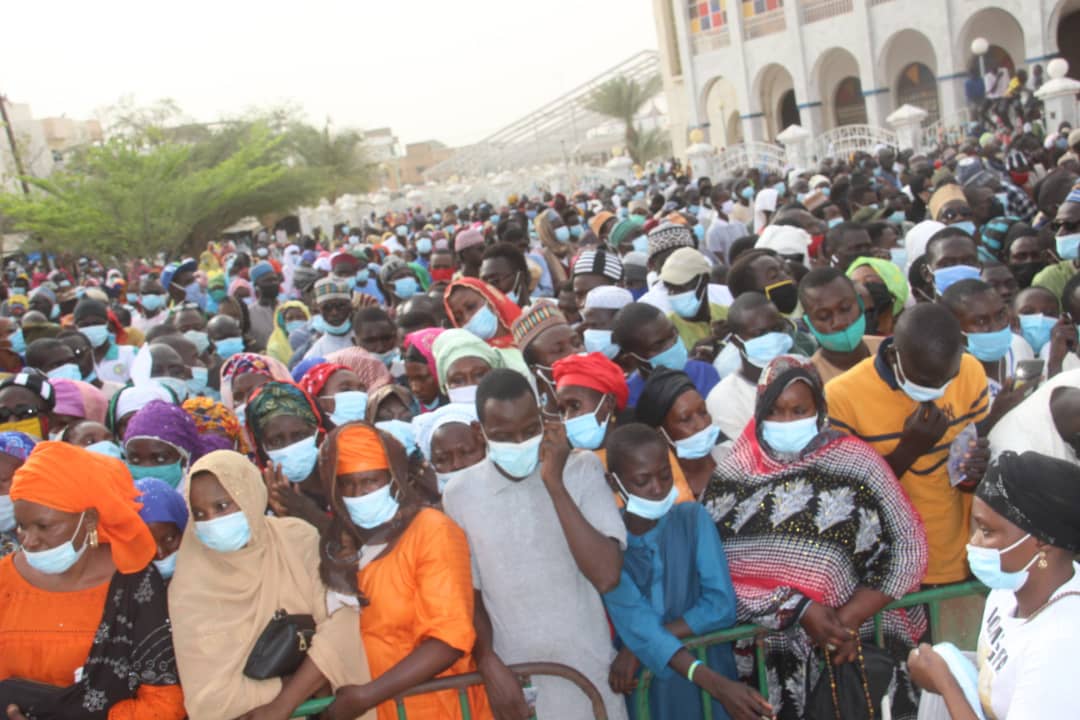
[645,471]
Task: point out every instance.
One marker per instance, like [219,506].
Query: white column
[1059,95]
[752,129]
[686,58]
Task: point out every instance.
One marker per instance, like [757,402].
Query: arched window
[849,104]
[917,86]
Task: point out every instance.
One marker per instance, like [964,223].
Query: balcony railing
[710,40]
[814,10]
[765,23]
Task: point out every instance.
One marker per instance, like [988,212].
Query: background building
[419,157]
[743,70]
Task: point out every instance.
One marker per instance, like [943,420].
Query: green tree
[623,98]
[337,157]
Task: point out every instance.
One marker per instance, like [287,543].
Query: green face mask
[845,340]
[172,473]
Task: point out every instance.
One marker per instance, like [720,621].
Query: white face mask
[465,394]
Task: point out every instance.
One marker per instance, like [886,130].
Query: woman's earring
[1042,560]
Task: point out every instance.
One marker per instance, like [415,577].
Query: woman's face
[796,402]
[209,499]
[246,383]
[989,529]
[466,371]
[687,416]
[87,433]
[866,274]
[339,381]
[464,302]
[456,446]
[575,400]
[42,528]
[362,483]
[167,536]
[393,409]
[281,431]
[422,383]
[150,452]
[294,313]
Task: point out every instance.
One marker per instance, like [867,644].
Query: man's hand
[923,429]
[927,669]
[623,674]
[554,450]
[14,713]
[1007,398]
[504,691]
[975,462]
[741,701]
[1062,340]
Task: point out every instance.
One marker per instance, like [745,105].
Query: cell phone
[1029,372]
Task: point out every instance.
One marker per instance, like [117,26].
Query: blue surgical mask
[826,191]
[512,296]
[645,508]
[600,341]
[59,559]
[98,335]
[686,304]
[372,510]
[296,460]
[362,276]
[1036,330]
[918,393]
[403,432]
[67,371]
[178,386]
[197,383]
[641,244]
[406,287]
[944,278]
[587,431]
[562,234]
[172,473]
[167,567]
[389,357]
[674,357]
[423,246]
[985,564]
[762,350]
[1068,246]
[697,445]
[240,411]
[990,346]
[293,325]
[897,217]
[200,339]
[224,534]
[576,231]
[494,218]
[835,221]
[518,460]
[7,514]
[54,312]
[107,448]
[780,188]
[349,406]
[227,347]
[18,342]
[152,302]
[401,231]
[699,232]
[898,255]
[789,437]
[132,298]
[966,225]
[483,324]
[747,193]
[319,324]
[693,209]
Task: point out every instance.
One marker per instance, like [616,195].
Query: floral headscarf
[217,425]
[278,398]
[372,371]
[315,378]
[422,340]
[16,444]
[244,363]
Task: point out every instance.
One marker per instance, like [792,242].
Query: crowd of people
[577,429]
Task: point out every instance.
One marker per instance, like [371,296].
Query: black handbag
[854,690]
[281,647]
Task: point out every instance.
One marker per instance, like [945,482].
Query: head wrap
[359,449]
[597,221]
[69,401]
[278,345]
[161,503]
[377,398]
[278,398]
[213,421]
[504,308]
[598,262]
[661,390]
[1038,494]
[244,363]
[455,344]
[537,318]
[944,194]
[260,270]
[36,383]
[169,423]
[684,265]
[422,340]
[607,297]
[239,282]
[370,369]
[102,483]
[620,231]
[132,399]
[917,238]
[890,274]
[344,260]
[428,423]
[315,378]
[16,444]
[389,268]
[781,372]
[468,238]
[594,371]
[669,235]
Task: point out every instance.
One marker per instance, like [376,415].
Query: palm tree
[338,156]
[622,98]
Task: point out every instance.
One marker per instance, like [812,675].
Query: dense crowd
[578,429]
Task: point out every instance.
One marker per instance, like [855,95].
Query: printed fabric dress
[814,527]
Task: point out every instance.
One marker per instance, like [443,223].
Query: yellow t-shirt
[692,332]
[866,402]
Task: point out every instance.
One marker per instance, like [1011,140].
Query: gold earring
[92,538]
[1042,560]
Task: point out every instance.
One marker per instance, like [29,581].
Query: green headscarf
[890,274]
[454,344]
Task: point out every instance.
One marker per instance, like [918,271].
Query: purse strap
[862,675]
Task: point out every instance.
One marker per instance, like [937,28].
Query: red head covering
[593,371]
[315,378]
[49,477]
[506,310]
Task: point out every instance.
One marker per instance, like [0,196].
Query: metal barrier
[698,645]
[461,683]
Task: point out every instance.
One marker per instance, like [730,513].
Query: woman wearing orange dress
[414,578]
[84,625]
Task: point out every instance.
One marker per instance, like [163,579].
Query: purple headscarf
[16,444]
[170,423]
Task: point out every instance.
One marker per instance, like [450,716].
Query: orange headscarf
[71,479]
[359,450]
[506,310]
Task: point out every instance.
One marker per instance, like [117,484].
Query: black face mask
[784,296]
[882,302]
[1025,272]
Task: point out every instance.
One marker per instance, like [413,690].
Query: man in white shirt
[333,298]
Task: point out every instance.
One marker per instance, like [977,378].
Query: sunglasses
[951,214]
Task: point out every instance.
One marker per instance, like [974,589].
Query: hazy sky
[452,70]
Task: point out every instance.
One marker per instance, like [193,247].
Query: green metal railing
[698,645]
[461,683]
